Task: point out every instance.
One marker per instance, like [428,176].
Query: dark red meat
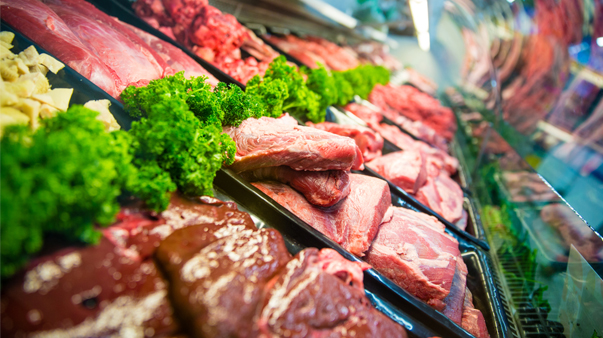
[413,250]
[321,188]
[270,142]
[352,223]
[368,141]
[40,24]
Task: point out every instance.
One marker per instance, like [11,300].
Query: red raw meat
[365,113]
[270,142]
[218,31]
[40,24]
[174,56]
[473,319]
[405,169]
[352,223]
[368,141]
[321,188]
[119,48]
[242,70]
[413,250]
[444,196]
[456,298]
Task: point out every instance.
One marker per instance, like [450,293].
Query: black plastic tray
[252,199]
[83,89]
[122,9]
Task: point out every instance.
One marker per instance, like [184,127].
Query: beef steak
[405,169]
[369,142]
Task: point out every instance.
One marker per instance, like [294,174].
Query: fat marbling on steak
[352,223]
[270,142]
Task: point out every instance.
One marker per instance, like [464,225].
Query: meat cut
[473,319]
[173,56]
[270,142]
[321,188]
[369,142]
[352,223]
[444,196]
[413,250]
[405,169]
[43,26]
[134,62]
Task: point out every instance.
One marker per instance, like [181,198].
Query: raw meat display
[212,35]
[352,223]
[573,231]
[405,169]
[174,56]
[473,319]
[116,289]
[321,188]
[134,62]
[416,106]
[456,298]
[270,142]
[257,48]
[444,196]
[311,50]
[525,186]
[377,54]
[43,26]
[413,250]
[369,142]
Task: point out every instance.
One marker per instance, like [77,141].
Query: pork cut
[473,319]
[43,26]
[405,169]
[270,142]
[321,188]
[413,250]
[444,196]
[369,142]
[352,223]
[119,48]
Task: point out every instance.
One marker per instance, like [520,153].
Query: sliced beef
[444,196]
[270,142]
[119,48]
[473,319]
[43,26]
[413,250]
[308,301]
[352,223]
[405,169]
[113,287]
[368,141]
[174,56]
[321,188]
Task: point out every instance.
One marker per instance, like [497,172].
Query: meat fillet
[270,142]
[321,188]
[444,196]
[369,142]
[352,223]
[405,169]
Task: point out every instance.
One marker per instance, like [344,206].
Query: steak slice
[369,142]
[405,169]
[413,250]
[352,223]
[473,319]
[444,196]
[307,301]
[270,142]
[321,188]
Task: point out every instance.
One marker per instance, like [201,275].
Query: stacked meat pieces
[312,50]
[212,35]
[526,186]
[223,278]
[99,47]
[409,102]
[410,248]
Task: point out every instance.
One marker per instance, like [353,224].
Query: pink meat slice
[352,223]
[413,250]
[40,24]
[444,196]
[270,142]
[369,142]
[321,188]
[119,48]
[473,319]
[173,56]
[365,113]
[405,169]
